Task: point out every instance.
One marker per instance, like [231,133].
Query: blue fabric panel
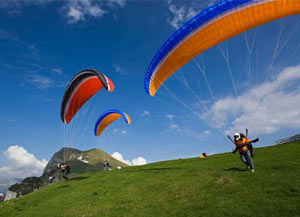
[184,31]
[106,113]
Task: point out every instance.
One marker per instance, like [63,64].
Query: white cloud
[266,107]
[180,15]
[5,183]
[26,56]
[74,14]
[170,117]
[20,157]
[134,162]
[95,11]
[22,164]
[74,10]
[15,6]
[118,131]
[43,82]
[145,113]
[119,157]
[120,3]
[207,132]
[57,71]
[80,10]
[39,81]
[119,69]
[27,59]
[172,128]
[139,161]
[180,12]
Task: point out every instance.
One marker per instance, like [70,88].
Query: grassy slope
[216,186]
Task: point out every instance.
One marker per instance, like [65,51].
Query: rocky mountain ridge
[79,161]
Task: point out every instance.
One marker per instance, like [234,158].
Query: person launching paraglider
[244,145]
[65,169]
[106,165]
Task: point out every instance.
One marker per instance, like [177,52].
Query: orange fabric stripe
[106,121]
[220,30]
[85,91]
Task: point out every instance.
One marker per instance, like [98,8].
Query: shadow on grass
[63,186]
[79,178]
[154,169]
[236,169]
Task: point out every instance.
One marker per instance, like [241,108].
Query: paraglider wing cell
[80,89]
[107,118]
[219,22]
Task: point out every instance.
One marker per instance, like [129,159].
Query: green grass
[216,186]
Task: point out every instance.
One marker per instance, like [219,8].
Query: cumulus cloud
[74,11]
[266,107]
[182,11]
[139,161]
[22,164]
[74,14]
[180,15]
[79,10]
[119,157]
[20,157]
[134,162]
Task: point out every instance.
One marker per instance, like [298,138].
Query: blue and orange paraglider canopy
[107,118]
[81,88]
[217,23]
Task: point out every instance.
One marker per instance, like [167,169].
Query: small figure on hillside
[106,165]
[244,145]
[203,155]
[51,178]
[2,197]
[65,169]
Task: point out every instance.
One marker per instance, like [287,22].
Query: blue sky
[43,44]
